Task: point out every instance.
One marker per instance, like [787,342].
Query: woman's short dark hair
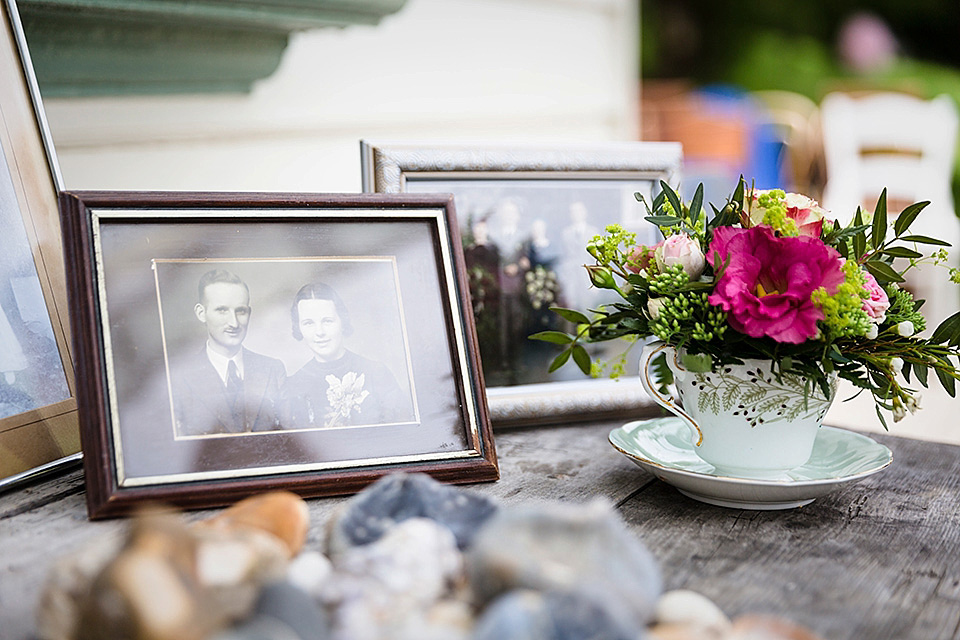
[319,291]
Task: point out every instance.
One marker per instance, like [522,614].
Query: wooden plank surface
[877,559]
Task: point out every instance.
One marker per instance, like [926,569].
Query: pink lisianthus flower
[767,285]
[806,213]
[683,250]
[877,304]
[641,258]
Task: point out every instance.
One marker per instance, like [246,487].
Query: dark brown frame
[105,496]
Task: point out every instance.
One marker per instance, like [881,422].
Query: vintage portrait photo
[271,345]
[524,243]
[312,343]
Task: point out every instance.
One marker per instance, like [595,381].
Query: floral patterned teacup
[744,420]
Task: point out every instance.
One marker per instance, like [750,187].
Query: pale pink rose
[877,304]
[641,258]
[805,212]
[683,250]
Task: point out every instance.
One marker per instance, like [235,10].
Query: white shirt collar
[221,362]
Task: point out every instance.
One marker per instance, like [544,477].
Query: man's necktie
[235,393]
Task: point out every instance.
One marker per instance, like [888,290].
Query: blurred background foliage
[810,47]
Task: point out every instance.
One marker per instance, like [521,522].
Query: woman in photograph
[337,387]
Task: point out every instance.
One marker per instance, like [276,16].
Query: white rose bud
[653,307]
[872,332]
[906,329]
[683,250]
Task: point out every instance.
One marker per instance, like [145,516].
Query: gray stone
[258,628]
[295,608]
[379,590]
[531,615]
[564,548]
[400,496]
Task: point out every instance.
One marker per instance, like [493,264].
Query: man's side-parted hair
[218,275]
[319,291]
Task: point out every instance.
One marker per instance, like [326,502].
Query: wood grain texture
[879,559]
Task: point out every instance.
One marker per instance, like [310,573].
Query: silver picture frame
[550,182]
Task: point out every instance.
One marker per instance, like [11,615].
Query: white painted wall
[439,70]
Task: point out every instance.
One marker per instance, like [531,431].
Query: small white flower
[899,413]
[906,329]
[896,365]
[872,332]
[913,402]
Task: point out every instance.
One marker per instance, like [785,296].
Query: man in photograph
[225,388]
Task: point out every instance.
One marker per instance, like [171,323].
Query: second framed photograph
[231,343]
[526,215]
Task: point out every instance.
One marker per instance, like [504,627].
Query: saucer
[664,448]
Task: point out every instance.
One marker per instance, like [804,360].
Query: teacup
[745,419]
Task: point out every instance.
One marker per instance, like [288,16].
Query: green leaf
[559,361]
[658,201]
[948,331]
[556,337]
[697,203]
[882,271]
[664,221]
[947,382]
[859,239]
[582,358]
[571,315]
[697,362]
[921,371]
[882,420]
[901,252]
[880,220]
[738,193]
[672,198]
[907,216]
[925,240]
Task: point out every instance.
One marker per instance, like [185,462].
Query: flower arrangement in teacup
[756,309]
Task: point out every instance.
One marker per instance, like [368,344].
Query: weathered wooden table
[879,558]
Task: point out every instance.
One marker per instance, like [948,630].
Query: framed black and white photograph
[38,409]
[526,215]
[237,342]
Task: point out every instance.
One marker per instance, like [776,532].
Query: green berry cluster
[669,281]
[611,247]
[843,314]
[690,314]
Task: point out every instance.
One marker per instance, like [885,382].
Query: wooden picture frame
[540,195]
[38,414]
[337,388]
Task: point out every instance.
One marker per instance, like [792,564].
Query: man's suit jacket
[201,405]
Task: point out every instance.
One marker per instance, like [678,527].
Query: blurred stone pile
[406,559]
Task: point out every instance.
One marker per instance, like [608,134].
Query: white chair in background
[907,145]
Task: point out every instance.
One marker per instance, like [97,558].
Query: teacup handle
[669,403]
